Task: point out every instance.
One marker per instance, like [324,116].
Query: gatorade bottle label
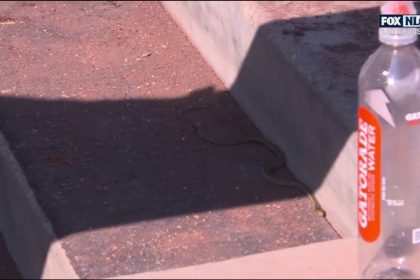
[369,175]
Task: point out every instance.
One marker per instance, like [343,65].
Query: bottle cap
[397,36]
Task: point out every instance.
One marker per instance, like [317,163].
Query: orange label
[369,175]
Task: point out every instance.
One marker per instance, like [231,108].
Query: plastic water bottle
[389,154]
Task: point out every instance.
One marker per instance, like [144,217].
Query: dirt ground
[91,95]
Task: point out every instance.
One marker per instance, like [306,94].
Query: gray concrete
[324,260]
[292,66]
[26,230]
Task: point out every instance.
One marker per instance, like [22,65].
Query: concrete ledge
[293,66]
[335,259]
[27,232]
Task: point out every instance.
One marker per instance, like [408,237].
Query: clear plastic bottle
[389,157]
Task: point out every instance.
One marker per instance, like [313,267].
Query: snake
[279,162]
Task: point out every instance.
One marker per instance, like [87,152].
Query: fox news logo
[399,21]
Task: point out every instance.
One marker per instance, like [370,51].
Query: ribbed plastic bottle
[389,155]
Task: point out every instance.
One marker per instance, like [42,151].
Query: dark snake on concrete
[279,162]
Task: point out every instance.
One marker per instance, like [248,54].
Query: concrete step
[336,259]
[293,68]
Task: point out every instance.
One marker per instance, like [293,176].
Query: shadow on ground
[101,164]
[8,268]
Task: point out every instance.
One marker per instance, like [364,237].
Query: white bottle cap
[398,36]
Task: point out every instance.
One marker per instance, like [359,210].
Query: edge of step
[28,234]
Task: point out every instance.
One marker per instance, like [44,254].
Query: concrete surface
[90,102]
[335,259]
[293,66]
